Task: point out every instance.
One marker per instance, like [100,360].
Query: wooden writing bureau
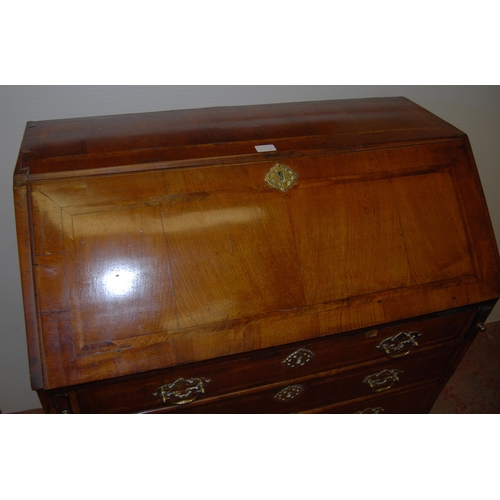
[332,256]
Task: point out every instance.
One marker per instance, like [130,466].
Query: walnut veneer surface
[161,272]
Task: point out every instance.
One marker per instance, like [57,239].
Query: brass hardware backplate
[384,380]
[182,391]
[281,177]
[400,345]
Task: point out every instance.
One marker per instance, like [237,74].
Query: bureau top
[58,148]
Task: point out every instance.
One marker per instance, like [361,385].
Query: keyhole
[282,176]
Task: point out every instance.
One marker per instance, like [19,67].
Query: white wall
[475,110]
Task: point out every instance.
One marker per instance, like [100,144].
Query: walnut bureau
[325,256]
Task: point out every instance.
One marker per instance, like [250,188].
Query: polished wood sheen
[153,250]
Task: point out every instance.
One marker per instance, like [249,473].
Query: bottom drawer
[309,393]
[414,399]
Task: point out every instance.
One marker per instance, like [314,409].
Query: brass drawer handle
[289,393]
[182,391]
[298,358]
[377,409]
[382,381]
[400,345]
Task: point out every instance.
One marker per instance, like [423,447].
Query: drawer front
[376,379]
[387,342]
[413,399]
[183,385]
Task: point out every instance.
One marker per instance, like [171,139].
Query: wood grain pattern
[150,242]
[31,318]
[115,142]
[332,226]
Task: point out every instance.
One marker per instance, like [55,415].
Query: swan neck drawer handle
[382,381]
[182,391]
[400,345]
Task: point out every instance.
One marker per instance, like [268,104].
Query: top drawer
[210,380]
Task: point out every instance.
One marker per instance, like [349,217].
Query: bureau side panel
[24,244]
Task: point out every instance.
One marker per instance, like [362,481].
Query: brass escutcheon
[289,393]
[298,358]
[281,177]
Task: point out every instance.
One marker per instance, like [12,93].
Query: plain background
[473,109]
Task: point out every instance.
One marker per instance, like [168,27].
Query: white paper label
[265,147]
